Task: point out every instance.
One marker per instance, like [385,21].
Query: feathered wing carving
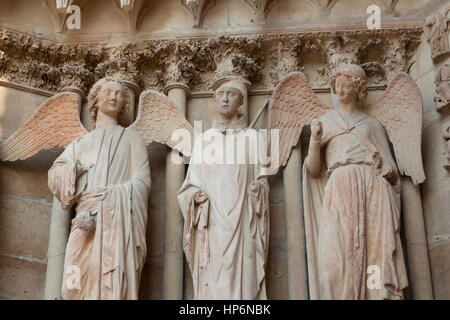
[399,110]
[293,105]
[158,118]
[55,123]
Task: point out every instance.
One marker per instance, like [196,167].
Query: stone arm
[313,160]
[62,177]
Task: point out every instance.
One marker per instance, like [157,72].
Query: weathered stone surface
[16,107]
[40,58]
[436,204]
[21,279]
[24,226]
[433,157]
[28,178]
[440,264]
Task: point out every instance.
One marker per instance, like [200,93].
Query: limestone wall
[25,201]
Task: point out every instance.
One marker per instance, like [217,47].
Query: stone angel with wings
[351,180]
[105,173]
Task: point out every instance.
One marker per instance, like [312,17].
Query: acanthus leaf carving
[398,53]
[237,56]
[342,49]
[197,8]
[285,57]
[31,61]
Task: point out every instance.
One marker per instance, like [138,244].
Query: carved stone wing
[399,110]
[293,105]
[158,118]
[55,123]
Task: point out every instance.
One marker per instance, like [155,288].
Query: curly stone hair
[358,77]
[93,94]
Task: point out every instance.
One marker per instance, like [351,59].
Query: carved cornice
[262,59]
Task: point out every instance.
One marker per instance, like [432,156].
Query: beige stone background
[25,201]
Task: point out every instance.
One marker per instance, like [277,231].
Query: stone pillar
[58,236]
[57,241]
[134,92]
[175,174]
[416,242]
[296,242]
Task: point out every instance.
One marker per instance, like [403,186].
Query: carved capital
[285,58]
[398,53]
[238,56]
[342,49]
[75,77]
[197,8]
[120,64]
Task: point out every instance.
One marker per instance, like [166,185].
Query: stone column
[296,242]
[57,240]
[416,242]
[134,91]
[175,174]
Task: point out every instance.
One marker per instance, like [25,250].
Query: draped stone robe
[352,214]
[113,193]
[226,238]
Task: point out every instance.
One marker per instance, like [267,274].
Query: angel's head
[228,100]
[230,95]
[349,83]
[110,96]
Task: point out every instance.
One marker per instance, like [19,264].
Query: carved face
[228,100]
[345,89]
[110,98]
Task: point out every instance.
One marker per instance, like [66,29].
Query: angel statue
[225,205]
[105,173]
[351,185]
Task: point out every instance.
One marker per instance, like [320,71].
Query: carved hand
[254,186]
[80,169]
[376,158]
[200,197]
[316,130]
[86,222]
